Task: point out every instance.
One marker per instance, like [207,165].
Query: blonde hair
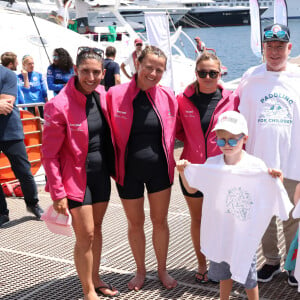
[204,57]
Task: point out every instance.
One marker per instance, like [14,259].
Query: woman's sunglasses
[203,74]
[230,142]
[82,50]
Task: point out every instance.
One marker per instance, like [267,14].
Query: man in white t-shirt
[270,101]
[132,58]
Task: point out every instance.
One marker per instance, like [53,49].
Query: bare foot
[168,281]
[137,282]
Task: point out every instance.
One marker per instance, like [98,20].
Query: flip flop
[108,286]
[200,277]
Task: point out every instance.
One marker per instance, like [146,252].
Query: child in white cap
[235,213]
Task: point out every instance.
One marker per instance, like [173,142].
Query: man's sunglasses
[280,34]
[82,50]
[230,142]
[203,74]
[139,44]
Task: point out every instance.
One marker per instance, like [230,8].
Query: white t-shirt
[129,61]
[270,101]
[64,14]
[81,9]
[296,215]
[239,202]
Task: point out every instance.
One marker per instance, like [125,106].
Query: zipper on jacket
[163,132]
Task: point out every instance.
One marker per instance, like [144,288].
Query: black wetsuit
[145,161]
[206,105]
[98,177]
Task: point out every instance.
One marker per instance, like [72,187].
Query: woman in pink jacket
[76,157]
[143,119]
[198,110]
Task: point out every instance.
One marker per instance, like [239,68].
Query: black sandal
[108,286]
[200,277]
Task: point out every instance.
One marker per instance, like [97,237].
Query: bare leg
[225,289]
[159,205]
[253,294]
[99,210]
[195,208]
[134,209]
[83,225]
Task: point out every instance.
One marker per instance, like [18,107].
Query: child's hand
[181,164]
[276,173]
[297,194]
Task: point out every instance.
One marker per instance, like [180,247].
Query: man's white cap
[232,122]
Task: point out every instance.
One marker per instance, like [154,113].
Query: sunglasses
[230,142]
[55,57]
[139,44]
[203,74]
[82,50]
[280,34]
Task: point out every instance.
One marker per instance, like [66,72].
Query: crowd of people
[127,131]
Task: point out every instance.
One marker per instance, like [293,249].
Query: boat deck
[37,264]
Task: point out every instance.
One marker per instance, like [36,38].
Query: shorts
[198,194]
[221,271]
[83,21]
[98,189]
[156,179]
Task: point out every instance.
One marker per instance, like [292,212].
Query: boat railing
[32,128]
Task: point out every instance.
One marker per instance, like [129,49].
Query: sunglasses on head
[82,50]
[230,142]
[280,34]
[203,74]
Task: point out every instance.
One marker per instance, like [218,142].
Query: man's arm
[117,79]
[124,70]
[6,104]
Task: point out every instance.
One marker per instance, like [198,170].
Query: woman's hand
[276,173]
[61,206]
[181,164]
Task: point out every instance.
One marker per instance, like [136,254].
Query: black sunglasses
[82,50]
[203,74]
[139,44]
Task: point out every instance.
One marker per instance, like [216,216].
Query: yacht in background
[206,13]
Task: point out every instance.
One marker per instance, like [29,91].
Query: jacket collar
[190,91]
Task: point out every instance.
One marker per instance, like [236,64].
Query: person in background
[143,117]
[82,8]
[200,45]
[12,145]
[63,14]
[112,68]
[132,59]
[270,101]
[198,109]
[32,84]
[10,61]
[60,71]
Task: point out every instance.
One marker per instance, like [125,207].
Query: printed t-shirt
[239,202]
[270,102]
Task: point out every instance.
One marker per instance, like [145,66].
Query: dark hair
[204,57]
[82,56]
[7,58]
[64,62]
[110,51]
[152,50]
[65,2]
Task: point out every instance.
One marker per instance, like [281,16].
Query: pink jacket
[120,108]
[65,142]
[197,147]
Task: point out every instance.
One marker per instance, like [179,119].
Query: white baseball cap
[232,122]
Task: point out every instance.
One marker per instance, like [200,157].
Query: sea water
[232,45]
